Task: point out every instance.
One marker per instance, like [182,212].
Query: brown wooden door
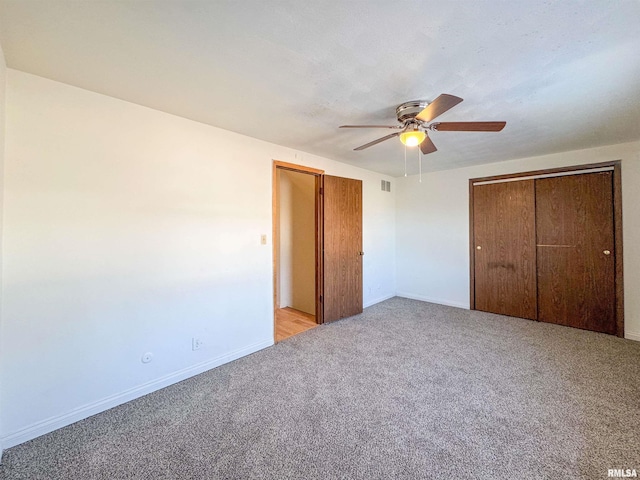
[576,285]
[342,227]
[505,250]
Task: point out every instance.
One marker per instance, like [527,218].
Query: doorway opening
[297,249]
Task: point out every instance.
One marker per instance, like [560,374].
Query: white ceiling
[564,74]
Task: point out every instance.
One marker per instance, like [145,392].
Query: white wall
[128,230]
[3,82]
[296,195]
[432,221]
[285,286]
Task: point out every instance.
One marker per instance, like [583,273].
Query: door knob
[361,253]
[478,247]
[607,252]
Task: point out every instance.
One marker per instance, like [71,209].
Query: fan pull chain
[405,160]
[420,162]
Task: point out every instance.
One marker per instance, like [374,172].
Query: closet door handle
[607,252]
[556,246]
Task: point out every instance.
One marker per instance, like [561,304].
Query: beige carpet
[406,390]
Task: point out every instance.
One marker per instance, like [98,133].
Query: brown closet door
[505,251]
[576,285]
[342,247]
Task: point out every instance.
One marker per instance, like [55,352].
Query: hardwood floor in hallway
[290,322]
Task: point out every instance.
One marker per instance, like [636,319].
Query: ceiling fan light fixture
[412,138]
[415,117]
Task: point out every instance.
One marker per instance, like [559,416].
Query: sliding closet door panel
[505,252]
[576,251]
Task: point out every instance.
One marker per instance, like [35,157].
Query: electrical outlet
[263,239]
[196,343]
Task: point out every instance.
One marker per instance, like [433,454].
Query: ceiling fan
[414,118]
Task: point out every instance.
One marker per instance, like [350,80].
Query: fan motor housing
[409,110]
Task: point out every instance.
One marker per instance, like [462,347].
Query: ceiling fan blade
[436,108]
[370,126]
[427,146]
[370,144]
[468,126]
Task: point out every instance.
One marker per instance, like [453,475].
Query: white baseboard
[85,411]
[378,300]
[632,336]
[439,301]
